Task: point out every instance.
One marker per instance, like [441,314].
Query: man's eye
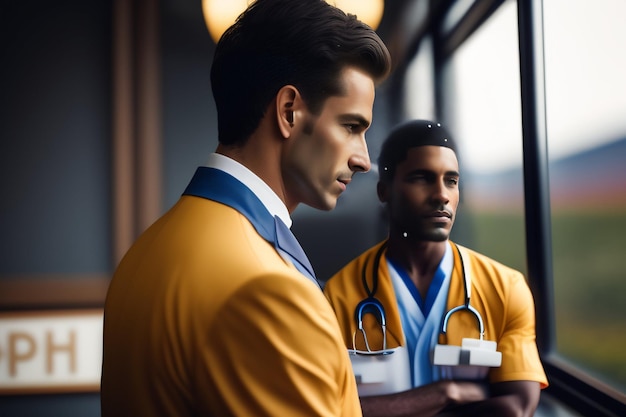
[453,181]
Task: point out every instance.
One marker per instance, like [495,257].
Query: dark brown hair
[304,43]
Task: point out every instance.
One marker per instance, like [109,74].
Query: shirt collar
[268,197]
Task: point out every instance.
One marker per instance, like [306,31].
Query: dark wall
[189,117]
[55,127]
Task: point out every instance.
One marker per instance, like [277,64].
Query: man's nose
[360,159]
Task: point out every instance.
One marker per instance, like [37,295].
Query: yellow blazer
[203,317]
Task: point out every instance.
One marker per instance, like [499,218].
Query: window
[586,103]
[419,94]
[481,87]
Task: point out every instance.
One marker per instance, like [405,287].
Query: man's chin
[324,205]
[439,236]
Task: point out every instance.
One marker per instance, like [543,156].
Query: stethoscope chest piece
[472,352]
[380,370]
[373,306]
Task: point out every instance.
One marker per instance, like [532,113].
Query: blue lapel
[216,185]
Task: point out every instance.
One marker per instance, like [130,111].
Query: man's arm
[428,400]
[457,398]
[513,398]
[266,363]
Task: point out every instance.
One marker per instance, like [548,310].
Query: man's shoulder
[352,268]
[201,237]
[486,263]
[480,257]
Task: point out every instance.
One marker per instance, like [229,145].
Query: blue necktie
[288,245]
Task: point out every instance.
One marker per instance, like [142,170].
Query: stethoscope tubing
[372,305]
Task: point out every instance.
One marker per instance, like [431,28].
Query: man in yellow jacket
[418,295]
[215,310]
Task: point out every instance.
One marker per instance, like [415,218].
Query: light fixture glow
[369,12]
[220,14]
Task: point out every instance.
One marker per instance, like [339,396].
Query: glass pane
[419,89]
[484,114]
[586,104]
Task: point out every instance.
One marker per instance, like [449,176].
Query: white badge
[381,372]
[471,360]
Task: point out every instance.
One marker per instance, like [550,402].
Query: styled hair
[304,43]
[406,136]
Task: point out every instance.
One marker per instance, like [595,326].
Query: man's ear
[382,190]
[288,102]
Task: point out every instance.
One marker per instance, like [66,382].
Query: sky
[585,57]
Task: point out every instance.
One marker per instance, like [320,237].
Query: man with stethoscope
[432,326]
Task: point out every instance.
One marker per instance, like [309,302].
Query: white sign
[50,351]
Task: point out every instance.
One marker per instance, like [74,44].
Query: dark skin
[422,199]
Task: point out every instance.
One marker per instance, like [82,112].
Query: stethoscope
[372,305]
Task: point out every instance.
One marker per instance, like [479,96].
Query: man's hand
[514,398]
[428,400]
[457,398]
